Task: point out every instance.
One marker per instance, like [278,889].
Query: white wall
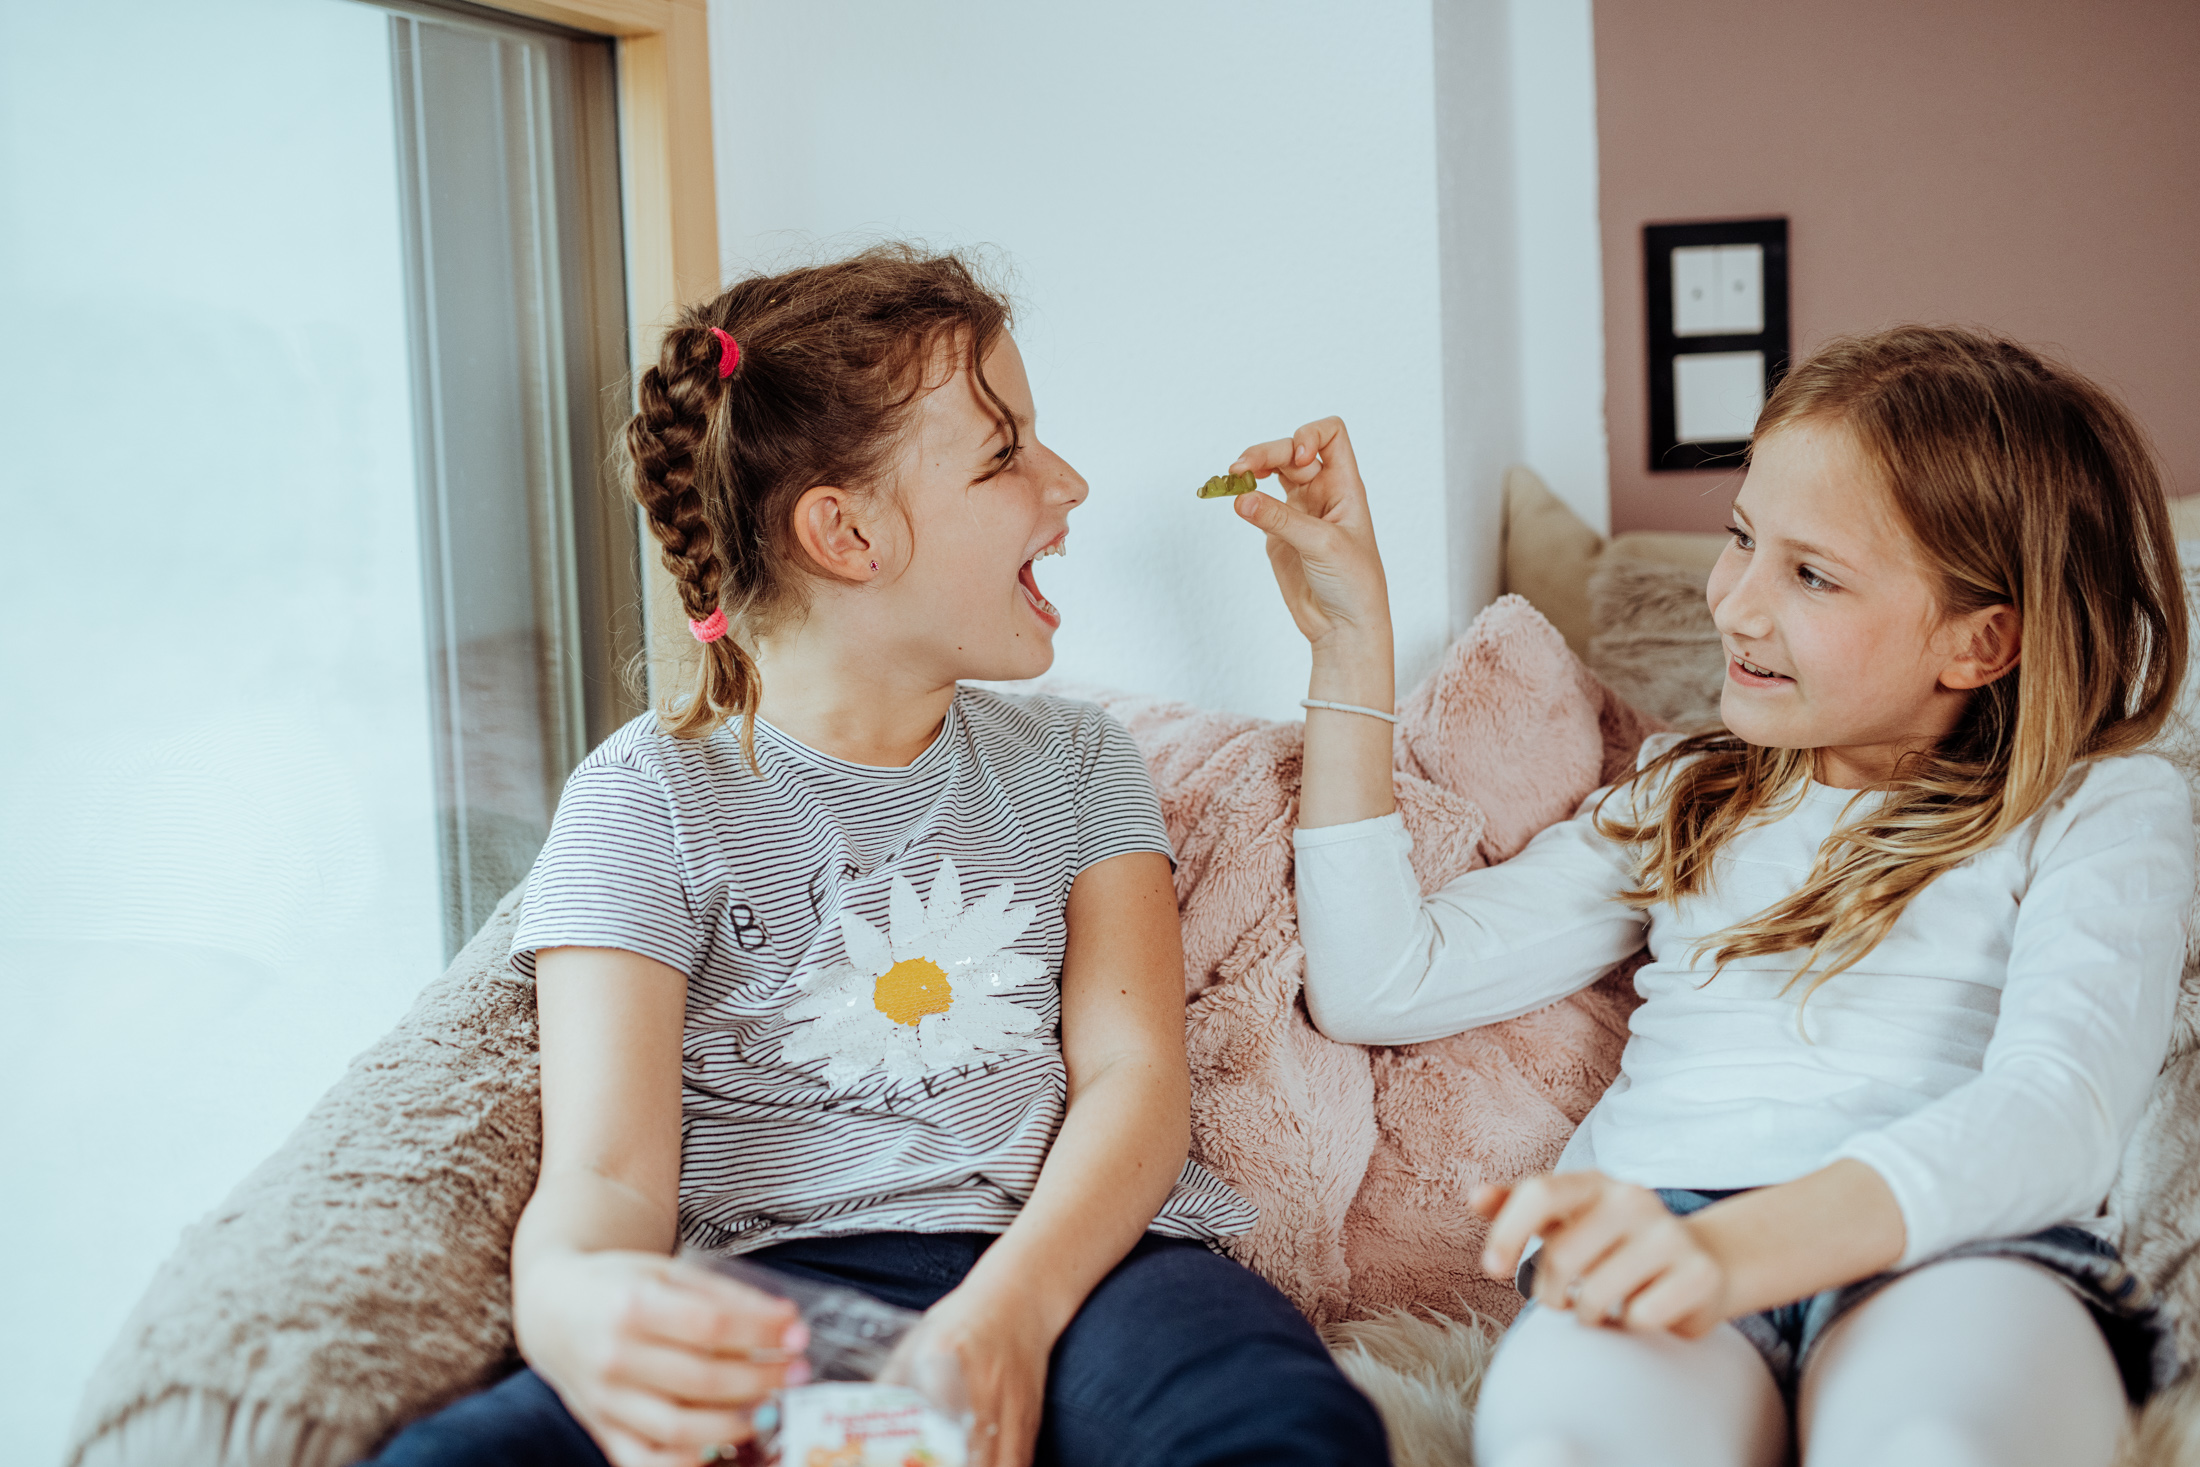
[1223,220]
[1226,217]
[1560,252]
[1481,312]
[1523,268]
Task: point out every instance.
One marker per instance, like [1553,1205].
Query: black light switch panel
[1717,298]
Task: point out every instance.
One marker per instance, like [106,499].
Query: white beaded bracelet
[1348,708]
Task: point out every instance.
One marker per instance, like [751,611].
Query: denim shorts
[2139,1335]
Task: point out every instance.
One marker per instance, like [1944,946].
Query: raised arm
[1321,542]
[1383,965]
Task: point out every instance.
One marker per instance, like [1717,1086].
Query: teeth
[1059,547]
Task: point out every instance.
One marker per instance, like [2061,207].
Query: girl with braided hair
[863,973]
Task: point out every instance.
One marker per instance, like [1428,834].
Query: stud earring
[874,565]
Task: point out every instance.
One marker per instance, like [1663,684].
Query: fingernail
[1489,1263]
[795,1336]
[1237,466]
[798,1373]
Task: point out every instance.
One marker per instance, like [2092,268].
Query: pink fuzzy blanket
[1361,1159]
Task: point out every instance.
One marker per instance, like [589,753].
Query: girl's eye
[1008,453]
[1741,539]
[1812,579]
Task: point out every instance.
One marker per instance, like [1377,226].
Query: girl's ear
[833,529]
[1988,646]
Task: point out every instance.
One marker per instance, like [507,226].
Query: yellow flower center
[911,989]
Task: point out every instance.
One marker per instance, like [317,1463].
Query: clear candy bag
[878,1397]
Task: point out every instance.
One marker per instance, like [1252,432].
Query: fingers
[1306,534]
[1535,1206]
[625,1449]
[1264,459]
[1327,439]
[1004,1433]
[1319,451]
[689,1307]
[1572,1251]
[1683,1299]
[704,1380]
[1487,1199]
[1602,1294]
[659,1431]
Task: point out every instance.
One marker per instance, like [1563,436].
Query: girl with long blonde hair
[1915,925]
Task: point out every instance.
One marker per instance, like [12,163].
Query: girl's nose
[1065,485]
[1741,611]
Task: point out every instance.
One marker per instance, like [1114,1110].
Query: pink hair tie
[710,628]
[729,355]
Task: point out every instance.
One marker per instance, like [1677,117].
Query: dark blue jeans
[1179,1357]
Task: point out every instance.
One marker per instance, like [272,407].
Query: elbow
[1340,1016]
[2088,1127]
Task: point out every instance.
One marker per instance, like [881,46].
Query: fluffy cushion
[1548,553]
[1651,639]
[1361,1159]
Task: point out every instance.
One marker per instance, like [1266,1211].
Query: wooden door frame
[670,200]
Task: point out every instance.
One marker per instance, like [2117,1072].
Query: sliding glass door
[508,161]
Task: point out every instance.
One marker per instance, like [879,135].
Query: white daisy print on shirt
[925,995]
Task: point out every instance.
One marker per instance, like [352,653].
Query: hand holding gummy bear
[1321,540]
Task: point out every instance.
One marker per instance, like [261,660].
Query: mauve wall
[2029,165]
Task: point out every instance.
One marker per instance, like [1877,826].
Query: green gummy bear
[1227,486]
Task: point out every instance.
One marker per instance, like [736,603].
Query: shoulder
[1037,720]
[1640,793]
[1656,747]
[2133,807]
[2128,782]
[639,754]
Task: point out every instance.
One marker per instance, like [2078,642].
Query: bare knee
[1928,1441]
[1541,1451]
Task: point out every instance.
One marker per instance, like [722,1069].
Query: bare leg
[1561,1394]
[1972,1362]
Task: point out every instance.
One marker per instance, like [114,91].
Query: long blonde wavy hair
[2022,484]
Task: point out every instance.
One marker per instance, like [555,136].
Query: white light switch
[1719,290]
[1717,395]
[1696,291]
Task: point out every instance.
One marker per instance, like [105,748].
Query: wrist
[1354,669]
[1000,1284]
[1719,1246]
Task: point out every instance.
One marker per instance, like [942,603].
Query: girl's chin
[1755,725]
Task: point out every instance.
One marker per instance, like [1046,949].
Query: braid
[664,445]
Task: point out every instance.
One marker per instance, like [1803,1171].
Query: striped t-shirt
[874,959]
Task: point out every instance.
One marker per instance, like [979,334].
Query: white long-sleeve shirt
[1989,1058]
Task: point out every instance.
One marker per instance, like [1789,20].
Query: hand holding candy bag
[878,1396]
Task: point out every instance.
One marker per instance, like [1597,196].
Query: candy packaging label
[849,1424]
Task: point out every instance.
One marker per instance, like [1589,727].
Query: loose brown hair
[833,359]
[2023,484]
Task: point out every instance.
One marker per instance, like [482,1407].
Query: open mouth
[1749,674]
[1046,609]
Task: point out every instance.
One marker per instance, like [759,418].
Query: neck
[849,695]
